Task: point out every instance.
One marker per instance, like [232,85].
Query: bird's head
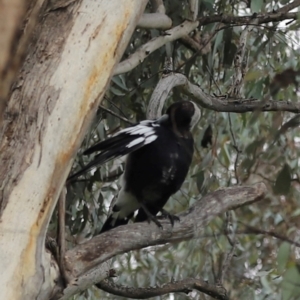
[183,115]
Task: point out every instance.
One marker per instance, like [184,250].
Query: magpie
[159,156]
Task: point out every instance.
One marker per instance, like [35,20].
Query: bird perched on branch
[159,156]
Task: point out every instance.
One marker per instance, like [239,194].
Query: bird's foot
[150,216]
[171,217]
[154,219]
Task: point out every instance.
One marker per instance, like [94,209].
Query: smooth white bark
[155,20]
[170,35]
[98,37]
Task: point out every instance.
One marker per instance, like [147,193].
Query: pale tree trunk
[63,79]
[16,16]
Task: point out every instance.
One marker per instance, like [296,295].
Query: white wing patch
[136,142]
[147,122]
[145,133]
[150,139]
[137,129]
[142,130]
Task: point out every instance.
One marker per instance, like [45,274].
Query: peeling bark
[83,259]
[17,21]
[65,74]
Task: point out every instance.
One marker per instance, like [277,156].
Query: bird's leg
[171,217]
[150,216]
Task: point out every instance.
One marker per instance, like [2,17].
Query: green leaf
[253,75]
[208,5]
[256,5]
[225,156]
[290,284]
[116,91]
[257,89]
[283,181]
[283,256]
[218,41]
[247,163]
[206,161]
[252,147]
[264,281]
[120,81]
[296,213]
[200,180]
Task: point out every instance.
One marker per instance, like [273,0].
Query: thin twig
[244,20]
[198,51]
[116,115]
[185,286]
[289,7]
[115,105]
[235,146]
[145,50]
[253,230]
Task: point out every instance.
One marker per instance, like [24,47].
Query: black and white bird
[159,156]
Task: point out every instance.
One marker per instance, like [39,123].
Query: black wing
[124,142]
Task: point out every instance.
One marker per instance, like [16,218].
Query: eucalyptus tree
[75,72]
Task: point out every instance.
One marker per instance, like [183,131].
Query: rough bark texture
[11,14]
[62,81]
[17,20]
[224,104]
[89,255]
[89,263]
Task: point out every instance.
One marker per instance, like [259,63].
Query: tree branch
[253,230]
[61,238]
[240,62]
[194,8]
[116,115]
[289,7]
[184,286]
[244,20]
[231,237]
[142,52]
[200,45]
[223,104]
[186,27]
[89,255]
[155,20]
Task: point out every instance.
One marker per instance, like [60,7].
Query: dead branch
[141,53]
[186,27]
[84,258]
[289,7]
[223,104]
[244,20]
[183,286]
